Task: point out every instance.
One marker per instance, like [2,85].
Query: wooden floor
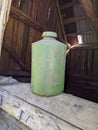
[7,122]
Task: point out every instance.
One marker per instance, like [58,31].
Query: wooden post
[4,15]
[61,21]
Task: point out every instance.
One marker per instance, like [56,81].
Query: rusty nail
[21,114]
[27,118]
[1,100]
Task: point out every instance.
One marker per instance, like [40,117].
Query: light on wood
[4,15]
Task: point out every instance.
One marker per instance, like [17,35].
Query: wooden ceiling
[88,13]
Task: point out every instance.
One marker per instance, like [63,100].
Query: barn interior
[76,23]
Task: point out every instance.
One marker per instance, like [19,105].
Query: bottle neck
[48,37]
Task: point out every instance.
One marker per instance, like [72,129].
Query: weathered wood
[88,7]
[67,5]
[81,113]
[25,43]
[31,115]
[18,35]
[61,21]
[17,74]
[74,19]
[26,19]
[34,35]
[83,80]
[4,15]
[7,122]
[17,60]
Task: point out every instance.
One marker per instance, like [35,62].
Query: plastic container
[48,65]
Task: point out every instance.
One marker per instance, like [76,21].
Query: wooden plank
[17,73]
[25,43]
[31,115]
[79,112]
[17,60]
[67,5]
[25,6]
[7,122]
[34,35]
[74,19]
[16,13]
[0,5]
[60,19]
[17,39]
[4,15]
[79,33]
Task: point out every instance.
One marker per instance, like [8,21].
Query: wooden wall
[82,71]
[28,19]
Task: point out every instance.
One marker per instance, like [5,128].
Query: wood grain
[4,15]
[7,122]
[80,113]
[82,74]
[33,116]
[25,26]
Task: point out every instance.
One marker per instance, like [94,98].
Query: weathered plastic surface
[48,66]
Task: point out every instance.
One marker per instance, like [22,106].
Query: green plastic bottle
[48,65]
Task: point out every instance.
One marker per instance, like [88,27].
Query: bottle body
[48,67]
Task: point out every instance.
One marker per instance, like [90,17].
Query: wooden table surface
[62,112]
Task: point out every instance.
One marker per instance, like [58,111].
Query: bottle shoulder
[49,41]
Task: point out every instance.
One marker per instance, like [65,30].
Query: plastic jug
[48,65]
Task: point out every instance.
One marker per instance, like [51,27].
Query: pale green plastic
[48,65]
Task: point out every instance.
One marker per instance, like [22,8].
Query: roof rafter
[88,7]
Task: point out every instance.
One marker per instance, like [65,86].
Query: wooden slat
[74,19]
[7,122]
[0,5]
[81,113]
[25,43]
[17,60]
[67,5]
[16,74]
[31,115]
[4,15]
[15,12]
[60,18]
[79,33]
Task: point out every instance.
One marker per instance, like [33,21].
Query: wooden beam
[79,33]
[31,115]
[69,4]
[88,7]
[20,15]
[17,60]
[61,21]
[16,73]
[7,122]
[4,15]
[62,109]
[74,19]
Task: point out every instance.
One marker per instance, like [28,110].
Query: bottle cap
[49,34]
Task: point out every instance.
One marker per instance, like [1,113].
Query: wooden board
[82,74]
[7,122]
[4,15]
[66,111]
[25,26]
[33,116]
